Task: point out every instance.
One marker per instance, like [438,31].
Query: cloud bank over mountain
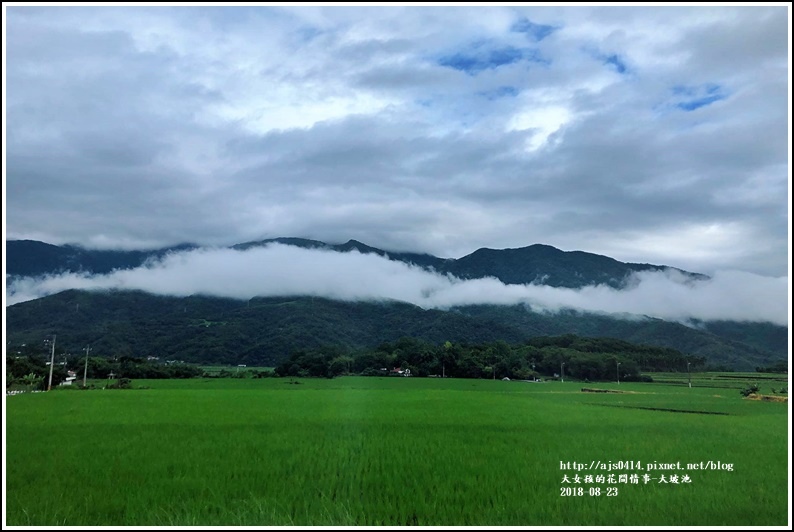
[281,270]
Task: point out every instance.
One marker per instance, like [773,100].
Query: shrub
[122,384]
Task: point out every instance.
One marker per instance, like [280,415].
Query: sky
[649,134]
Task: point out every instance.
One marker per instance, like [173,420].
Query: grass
[722,379]
[388,452]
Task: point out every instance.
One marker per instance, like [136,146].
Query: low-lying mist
[281,270]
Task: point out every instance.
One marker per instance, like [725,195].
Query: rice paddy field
[398,452]
[216,370]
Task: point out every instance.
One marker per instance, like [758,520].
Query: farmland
[394,451]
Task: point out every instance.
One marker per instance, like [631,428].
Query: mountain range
[538,263]
[265,330]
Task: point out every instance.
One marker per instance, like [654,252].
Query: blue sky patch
[536,32]
[695,97]
[615,61]
[484,55]
[478,60]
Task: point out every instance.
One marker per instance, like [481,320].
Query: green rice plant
[369,451]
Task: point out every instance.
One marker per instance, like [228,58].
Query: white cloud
[279,270]
[545,120]
[160,125]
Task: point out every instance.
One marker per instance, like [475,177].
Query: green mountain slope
[264,331]
[547,265]
[734,344]
[718,350]
[205,329]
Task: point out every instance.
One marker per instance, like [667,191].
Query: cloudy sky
[649,134]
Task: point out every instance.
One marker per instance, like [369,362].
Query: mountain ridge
[292,322]
[536,263]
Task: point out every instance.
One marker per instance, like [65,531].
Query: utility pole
[617,368]
[85,371]
[689,375]
[562,372]
[52,363]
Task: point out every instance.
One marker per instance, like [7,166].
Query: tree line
[33,371]
[583,358]
[594,359]
[779,367]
